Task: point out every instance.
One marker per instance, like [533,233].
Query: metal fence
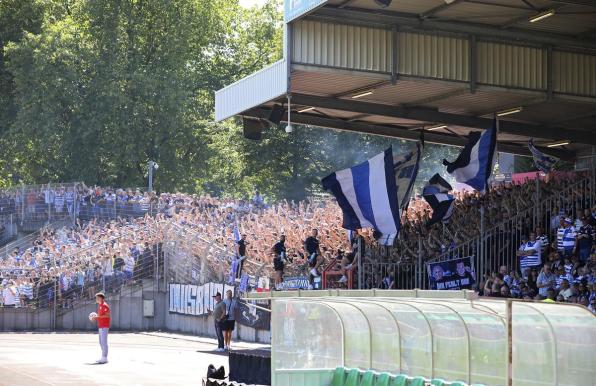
[192,259]
[31,207]
[110,266]
[493,247]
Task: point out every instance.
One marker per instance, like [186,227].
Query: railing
[27,240]
[8,228]
[106,266]
[192,259]
[33,206]
[492,247]
[112,210]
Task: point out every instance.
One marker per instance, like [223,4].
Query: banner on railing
[293,283]
[456,274]
[197,300]
[189,299]
[247,314]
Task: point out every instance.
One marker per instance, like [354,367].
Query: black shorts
[228,325]
[278,265]
[312,262]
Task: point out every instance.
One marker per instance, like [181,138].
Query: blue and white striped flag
[543,162]
[406,170]
[436,194]
[371,194]
[474,164]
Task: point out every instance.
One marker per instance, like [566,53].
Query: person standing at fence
[229,323]
[241,253]
[530,254]
[311,245]
[565,238]
[103,325]
[219,317]
[584,240]
[69,198]
[279,259]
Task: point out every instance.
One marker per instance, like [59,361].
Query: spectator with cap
[219,317]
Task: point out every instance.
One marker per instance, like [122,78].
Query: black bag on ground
[214,373]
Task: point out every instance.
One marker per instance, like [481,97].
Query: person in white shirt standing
[530,254]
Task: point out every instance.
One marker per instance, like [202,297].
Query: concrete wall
[204,326]
[21,319]
[127,315]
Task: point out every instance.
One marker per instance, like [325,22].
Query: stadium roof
[442,66]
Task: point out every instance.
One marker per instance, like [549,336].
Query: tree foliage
[93,90]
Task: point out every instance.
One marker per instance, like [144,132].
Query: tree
[17,17]
[96,89]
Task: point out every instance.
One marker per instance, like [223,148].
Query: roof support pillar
[473,65]
[394,58]
[549,73]
[289,54]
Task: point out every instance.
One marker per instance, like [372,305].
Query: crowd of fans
[561,271]
[73,262]
[500,202]
[118,233]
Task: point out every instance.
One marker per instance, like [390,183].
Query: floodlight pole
[150,165]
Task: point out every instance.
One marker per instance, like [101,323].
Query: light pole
[152,165]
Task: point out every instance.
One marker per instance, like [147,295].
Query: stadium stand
[116,227]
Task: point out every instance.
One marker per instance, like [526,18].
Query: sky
[250,3]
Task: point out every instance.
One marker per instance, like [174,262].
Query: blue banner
[456,274]
[293,283]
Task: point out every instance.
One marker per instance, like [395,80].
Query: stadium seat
[352,379]
[418,381]
[400,380]
[339,377]
[458,383]
[367,378]
[383,379]
[438,382]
